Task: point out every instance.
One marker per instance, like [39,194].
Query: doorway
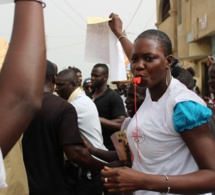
[205,87]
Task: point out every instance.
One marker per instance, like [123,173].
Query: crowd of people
[55,132]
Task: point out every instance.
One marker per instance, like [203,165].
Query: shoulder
[56,102]
[125,123]
[83,103]
[113,93]
[115,99]
[188,115]
[180,93]
[82,99]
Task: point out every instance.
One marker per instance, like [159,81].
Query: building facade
[191,28]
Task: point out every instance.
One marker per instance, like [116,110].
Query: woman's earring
[168,77]
[167,84]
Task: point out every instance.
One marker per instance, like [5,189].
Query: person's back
[88,120]
[53,128]
[43,154]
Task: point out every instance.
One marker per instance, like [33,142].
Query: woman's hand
[116,25]
[122,179]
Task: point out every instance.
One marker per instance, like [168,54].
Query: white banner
[102,46]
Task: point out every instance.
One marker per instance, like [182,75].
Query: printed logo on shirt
[137,135]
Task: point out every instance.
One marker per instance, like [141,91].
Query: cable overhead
[67,15]
[134,14]
[149,19]
[145,25]
[73,9]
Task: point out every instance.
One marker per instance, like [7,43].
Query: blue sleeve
[189,114]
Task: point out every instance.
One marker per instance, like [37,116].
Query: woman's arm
[116,27]
[202,147]
[23,73]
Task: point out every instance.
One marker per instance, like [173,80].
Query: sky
[65,25]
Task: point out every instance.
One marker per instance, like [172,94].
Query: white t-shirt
[157,148]
[2,173]
[88,120]
[125,124]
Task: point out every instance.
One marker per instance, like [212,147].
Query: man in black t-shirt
[53,132]
[109,104]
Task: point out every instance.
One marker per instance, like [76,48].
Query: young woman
[172,147]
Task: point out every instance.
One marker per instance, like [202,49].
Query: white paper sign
[6,1]
[102,46]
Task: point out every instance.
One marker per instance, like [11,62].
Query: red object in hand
[137,80]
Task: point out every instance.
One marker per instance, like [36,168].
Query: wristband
[168,188]
[123,36]
[38,1]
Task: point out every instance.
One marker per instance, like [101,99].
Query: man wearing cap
[87,86]
[53,132]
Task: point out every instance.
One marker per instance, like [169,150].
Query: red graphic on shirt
[138,136]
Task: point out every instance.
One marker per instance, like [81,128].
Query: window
[165,9]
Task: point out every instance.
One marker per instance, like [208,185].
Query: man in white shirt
[88,122]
